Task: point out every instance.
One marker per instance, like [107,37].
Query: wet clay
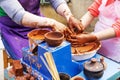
[85,48]
[37,34]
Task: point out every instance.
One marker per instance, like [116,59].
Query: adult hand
[53,25]
[57,26]
[75,25]
[42,22]
[82,39]
[67,33]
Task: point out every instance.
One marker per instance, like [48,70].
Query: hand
[75,25]
[67,32]
[57,26]
[82,39]
[53,25]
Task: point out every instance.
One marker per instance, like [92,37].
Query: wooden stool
[6,58]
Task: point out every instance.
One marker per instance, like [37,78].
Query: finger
[54,28]
[73,36]
[81,27]
[72,40]
[71,28]
[69,31]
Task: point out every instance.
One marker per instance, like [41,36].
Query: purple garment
[32,6]
[14,35]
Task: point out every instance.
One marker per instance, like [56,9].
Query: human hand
[67,33]
[53,25]
[75,25]
[81,39]
[59,26]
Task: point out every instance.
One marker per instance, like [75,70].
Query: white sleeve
[13,9]
[56,3]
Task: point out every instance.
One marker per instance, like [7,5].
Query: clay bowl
[54,38]
[35,37]
[77,78]
[37,34]
[85,52]
[64,76]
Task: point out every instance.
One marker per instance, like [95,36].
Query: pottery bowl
[85,52]
[37,34]
[77,78]
[64,76]
[54,38]
[35,37]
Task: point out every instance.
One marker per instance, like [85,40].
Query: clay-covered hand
[82,39]
[42,22]
[75,25]
[53,25]
[57,26]
[67,32]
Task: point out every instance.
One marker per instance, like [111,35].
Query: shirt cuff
[56,3]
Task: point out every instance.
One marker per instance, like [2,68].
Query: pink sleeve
[116,27]
[94,8]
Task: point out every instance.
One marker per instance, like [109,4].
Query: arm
[61,8]
[91,14]
[112,32]
[17,13]
[105,34]
[87,19]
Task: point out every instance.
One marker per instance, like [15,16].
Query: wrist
[49,22]
[67,15]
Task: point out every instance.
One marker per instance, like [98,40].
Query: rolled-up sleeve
[93,8]
[116,27]
[13,9]
[56,3]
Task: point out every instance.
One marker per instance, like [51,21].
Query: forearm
[13,9]
[36,21]
[87,19]
[64,11]
[105,34]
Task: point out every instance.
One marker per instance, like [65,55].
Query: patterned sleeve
[13,9]
[56,3]
[116,27]
[93,8]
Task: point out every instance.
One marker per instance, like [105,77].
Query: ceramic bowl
[54,38]
[64,76]
[77,78]
[85,52]
[37,34]
[35,37]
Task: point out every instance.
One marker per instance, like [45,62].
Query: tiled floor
[1,62]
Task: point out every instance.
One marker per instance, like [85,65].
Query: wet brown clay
[54,38]
[37,34]
[86,48]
